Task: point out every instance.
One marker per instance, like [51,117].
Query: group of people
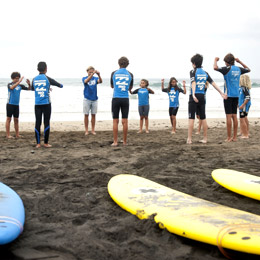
[236,94]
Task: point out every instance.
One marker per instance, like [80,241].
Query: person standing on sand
[12,106]
[198,78]
[90,101]
[244,104]
[122,82]
[231,77]
[173,92]
[143,104]
[41,86]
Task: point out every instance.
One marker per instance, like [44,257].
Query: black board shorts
[230,105]
[173,111]
[197,108]
[120,104]
[12,110]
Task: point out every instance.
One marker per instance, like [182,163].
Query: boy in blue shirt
[12,106]
[90,101]
[122,82]
[231,75]
[143,103]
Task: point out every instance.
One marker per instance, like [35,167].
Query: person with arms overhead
[41,86]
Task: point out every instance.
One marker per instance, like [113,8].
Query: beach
[69,213]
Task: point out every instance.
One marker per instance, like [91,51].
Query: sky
[158,37]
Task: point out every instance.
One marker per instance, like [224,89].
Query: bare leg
[115,131]
[173,118]
[93,122]
[205,131]
[235,127]
[190,129]
[247,125]
[86,124]
[16,127]
[141,124]
[125,129]
[7,127]
[146,124]
[229,127]
[243,128]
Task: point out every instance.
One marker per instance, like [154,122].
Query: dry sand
[69,213]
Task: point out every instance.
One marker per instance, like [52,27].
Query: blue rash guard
[122,80]
[90,88]
[200,77]
[232,82]
[244,94]
[173,96]
[14,94]
[143,96]
[41,86]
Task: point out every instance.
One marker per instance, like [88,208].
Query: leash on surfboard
[232,230]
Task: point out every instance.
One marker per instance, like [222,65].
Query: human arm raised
[244,65]
[13,86]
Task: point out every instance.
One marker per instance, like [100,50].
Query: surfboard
[239,182]
[186,215]
[12,214]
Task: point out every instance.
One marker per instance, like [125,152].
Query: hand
[21,79]
[183,83]
[28,82]
[97,72]
[195,99]
[224,96]
[241,107]
[237,60]
[217,59]
[162,80]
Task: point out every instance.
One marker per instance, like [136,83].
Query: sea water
[67,103]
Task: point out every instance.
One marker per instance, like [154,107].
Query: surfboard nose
[9,230]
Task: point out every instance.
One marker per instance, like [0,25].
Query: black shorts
[12,110]
[120,104]
[243,114]
[173,111]
[197,108]
[230,105]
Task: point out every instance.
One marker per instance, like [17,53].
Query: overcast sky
[158,37]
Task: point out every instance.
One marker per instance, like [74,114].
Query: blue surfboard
[12,214]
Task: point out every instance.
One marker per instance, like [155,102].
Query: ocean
[67,102]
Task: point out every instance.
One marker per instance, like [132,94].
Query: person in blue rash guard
[41,86]
[231,75]
[12,106]
[173,92]
[198,78]
[143,104]
[122,82]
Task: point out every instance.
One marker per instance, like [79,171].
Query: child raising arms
[173,92]
[143,103]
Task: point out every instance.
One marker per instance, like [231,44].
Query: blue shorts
[89,105]
[144,110]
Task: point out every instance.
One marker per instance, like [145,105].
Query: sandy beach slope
[69,213]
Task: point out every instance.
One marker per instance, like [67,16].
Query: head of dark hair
[229,59]
[123,62]
[170,84]
[146,82]
[197,60]
[42,66]
[15,75]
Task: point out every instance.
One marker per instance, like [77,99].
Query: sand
[69,213]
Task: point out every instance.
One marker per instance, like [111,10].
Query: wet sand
[69,213]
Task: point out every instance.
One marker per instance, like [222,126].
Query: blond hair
[90,68]
[245,81]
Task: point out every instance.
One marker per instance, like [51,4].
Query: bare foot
[47,145]
[125,144]
[197,133]
[189,141]
[114,144]
[38,146]
[244,137]
[10,137]
[140,131]
[203,141]
[173,132]
[19,136]
[228,140]
[93,132]
[234,139]
[86,133]
[147,131]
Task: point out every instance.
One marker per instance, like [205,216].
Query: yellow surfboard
[186,215]
[239,182]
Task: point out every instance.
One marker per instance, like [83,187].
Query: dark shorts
[230,105]
[12,110]
[197,108]
[144,110]
[173,111]
[120,104]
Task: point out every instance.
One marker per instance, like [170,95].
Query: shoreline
[133,124]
